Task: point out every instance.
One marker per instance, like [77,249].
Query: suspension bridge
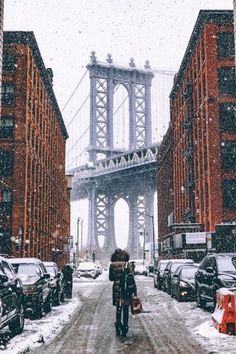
[113,147]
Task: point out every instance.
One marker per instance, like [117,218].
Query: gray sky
[68,30]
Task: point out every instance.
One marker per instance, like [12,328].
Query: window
[228,117]
[5,202]
[6,163]
[8,94]
[226,79]
[9,63]
[228,155]
[6,126]
[5,241]
[225,44]
[229,194]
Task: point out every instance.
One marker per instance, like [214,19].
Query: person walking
[124,288]
[67,280]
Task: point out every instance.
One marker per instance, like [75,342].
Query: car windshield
[188,272]
[174,266]
[26,269]
[163,265]
[86,266]
[51,270]
[226,264]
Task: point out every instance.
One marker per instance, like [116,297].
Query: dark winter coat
[124,286]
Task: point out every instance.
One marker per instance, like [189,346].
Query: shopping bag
[136,306]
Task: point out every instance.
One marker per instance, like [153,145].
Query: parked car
[182,285]
[140,269]
[55,283]
[11,299]
[159,272]
[87,269]
[171,267]
[36,285]
[215,271]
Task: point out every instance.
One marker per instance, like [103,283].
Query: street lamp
[153,238]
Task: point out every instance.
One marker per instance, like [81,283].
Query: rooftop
[205,16]
[28,38]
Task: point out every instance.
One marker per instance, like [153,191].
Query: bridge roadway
[120,171]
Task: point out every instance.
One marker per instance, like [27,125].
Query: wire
[120,105]
[76,87]
[80,137]
[78,111]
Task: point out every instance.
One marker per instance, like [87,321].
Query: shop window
[5,241]
[225,44]
[229,194]
[8,94]
[6,163]
[226,79]
[228,155]
[9,63]
[7,126]
[228,117]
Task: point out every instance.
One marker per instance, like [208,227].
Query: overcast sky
[68,30]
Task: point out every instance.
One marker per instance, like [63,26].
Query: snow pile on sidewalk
[37,332]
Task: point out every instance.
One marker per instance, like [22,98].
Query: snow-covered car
[140,269]
[171,267]
[159,273]
[55,282]
[87,269]
[36,285]
[11,299]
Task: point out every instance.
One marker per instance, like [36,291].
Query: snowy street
[85,324]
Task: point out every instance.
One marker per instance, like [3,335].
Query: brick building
[34,198]
[203,122]
[1,38]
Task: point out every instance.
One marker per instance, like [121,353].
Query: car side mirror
[3,278]
[46,276]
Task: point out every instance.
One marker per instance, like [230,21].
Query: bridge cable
[80,137]
[75,89]
[78,111]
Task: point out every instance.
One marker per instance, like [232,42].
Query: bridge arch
[121,219]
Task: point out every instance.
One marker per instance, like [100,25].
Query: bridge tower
[104,77]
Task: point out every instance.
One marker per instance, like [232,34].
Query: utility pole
[77,244]
[153,238]
[81,233]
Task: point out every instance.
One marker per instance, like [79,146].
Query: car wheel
[200,302]
[17,326]
[179,297]
[154,283]
[62,298]
[48,304]
[39,309]
[56,298]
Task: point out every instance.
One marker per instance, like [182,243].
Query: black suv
[55,283]
[36,285]
[11,299]
[215,271]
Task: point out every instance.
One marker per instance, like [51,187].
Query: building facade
[1,38]
[34,203]
[203,118]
